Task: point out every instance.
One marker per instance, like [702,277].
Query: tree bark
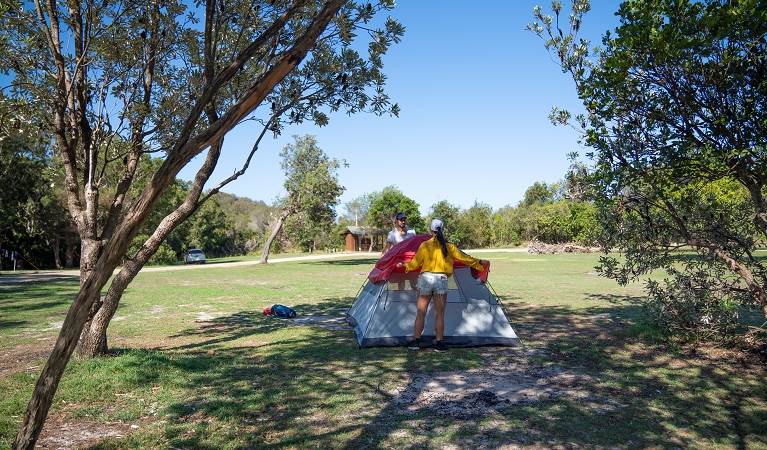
[69,252]
[56,242]
[276,229]
[93,341]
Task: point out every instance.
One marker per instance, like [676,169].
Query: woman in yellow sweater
[435,257]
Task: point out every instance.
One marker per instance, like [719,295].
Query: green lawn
[197,366]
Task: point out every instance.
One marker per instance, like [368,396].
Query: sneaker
[415,344]
[439,347]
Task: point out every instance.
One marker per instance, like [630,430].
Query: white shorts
[432,283]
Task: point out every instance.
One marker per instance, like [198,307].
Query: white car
[194,256]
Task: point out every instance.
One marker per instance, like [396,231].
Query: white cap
[437,225]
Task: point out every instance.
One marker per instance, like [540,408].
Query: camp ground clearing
[195,364]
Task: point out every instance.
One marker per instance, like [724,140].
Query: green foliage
[313,191]
[450,215]
[249,221]
[538,193]
[385,205]
[553,222]
[505,227]
[165,254]
[32,216]
[476,225]
[675,120]
[208,229]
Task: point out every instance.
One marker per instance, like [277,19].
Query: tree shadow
[605,391]
[343,262]
[586,384]
[19,301]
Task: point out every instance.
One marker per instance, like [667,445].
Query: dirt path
[12,277]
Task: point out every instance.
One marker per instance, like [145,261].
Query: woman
[435,257]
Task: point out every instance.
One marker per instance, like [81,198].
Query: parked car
[194,256]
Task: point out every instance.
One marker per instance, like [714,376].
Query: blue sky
[475,90]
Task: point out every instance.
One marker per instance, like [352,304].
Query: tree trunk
[70,248]
[93,340]
[276,229]
[89,253]
[56,243]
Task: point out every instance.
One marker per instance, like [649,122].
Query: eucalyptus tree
[312,186]
[385,205]
[357,209]
[170,78]
[23,220]
[676,121]
[477,225]
[451,216]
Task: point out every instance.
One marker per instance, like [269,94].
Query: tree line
[35,222]
[547,213]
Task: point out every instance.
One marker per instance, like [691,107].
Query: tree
[208,228]
[477,222]
[99,74]
[249,221]
[312,188]
[357,209]
[386,204]
[675,117]
[33,221]
[537,194]
[451,217]
[506,228]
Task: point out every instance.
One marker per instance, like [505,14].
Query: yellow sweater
[430,255]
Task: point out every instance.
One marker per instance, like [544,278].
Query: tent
[384,311]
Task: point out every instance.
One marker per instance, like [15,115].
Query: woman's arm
[470,261]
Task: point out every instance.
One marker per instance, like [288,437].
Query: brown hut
[359,239]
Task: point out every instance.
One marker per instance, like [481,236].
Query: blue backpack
[282,312]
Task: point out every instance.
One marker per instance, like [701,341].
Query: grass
[196,365]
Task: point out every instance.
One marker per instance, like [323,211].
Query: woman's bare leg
[440,302]
[420,316]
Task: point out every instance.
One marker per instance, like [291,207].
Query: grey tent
[384,311]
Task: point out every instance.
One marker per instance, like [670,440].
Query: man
[399,233]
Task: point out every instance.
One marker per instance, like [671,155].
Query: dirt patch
[25,357]
[476,393]
[62,433]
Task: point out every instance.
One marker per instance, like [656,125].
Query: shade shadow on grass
[317,389]
[250,381]
[613,393]
[27,302]
[343,262]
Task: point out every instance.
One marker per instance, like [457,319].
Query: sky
[475,89]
